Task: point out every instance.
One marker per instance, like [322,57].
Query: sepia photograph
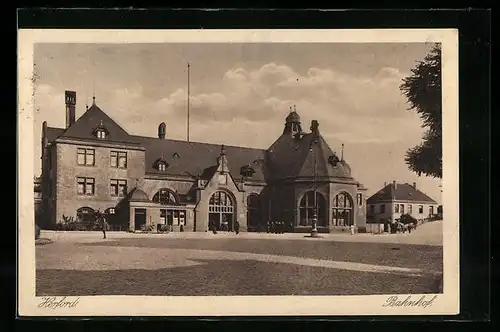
[278,176]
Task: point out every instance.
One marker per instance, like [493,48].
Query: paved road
[225,265]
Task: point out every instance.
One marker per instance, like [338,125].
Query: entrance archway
[342,210]
[221,211]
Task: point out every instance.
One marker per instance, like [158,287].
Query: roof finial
[222,150]
[137,182]
[342,153]
[93,100]
[290,109]
[294,108]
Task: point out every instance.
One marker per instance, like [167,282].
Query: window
[431,210]
[165,197]
[162,167]
[101,134]
[360,199]
[410,208]
[86,186]
[307,209]
[402,208]
[342,213]
[396,208]
[382,208]
[420,209]
[118,187]
[118,159]
[220,202]
[86,157]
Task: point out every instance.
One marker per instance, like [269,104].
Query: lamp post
[314,229]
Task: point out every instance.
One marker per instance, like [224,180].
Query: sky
[240,95]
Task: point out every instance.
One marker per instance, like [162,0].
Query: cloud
[350,108]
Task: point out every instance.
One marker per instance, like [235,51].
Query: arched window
[220,202]
[306,208]
[253,210]
[85,214]
[342,210]
[221,211]
[165,197]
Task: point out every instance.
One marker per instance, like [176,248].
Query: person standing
[104,225]
[236,227]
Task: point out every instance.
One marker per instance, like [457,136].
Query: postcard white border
[446,303]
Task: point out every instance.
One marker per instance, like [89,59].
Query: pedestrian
[237,227]
[352,229]
[103,223]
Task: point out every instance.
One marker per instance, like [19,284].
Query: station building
[140,182]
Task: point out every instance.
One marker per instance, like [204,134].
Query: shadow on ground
[226,278]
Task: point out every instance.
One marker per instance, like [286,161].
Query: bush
[407,219]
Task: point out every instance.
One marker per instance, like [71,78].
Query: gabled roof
[83,127]
[402,192]
[196,159]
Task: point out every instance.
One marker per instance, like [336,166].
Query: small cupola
[101,131]
[292,123]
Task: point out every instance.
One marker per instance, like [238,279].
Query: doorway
[140,219]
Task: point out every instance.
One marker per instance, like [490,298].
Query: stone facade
[187,185]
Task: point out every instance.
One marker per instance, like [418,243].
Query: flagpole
[188,101]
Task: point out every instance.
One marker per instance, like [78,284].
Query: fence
[375,228]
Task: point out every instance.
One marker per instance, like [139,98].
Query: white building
[395,199]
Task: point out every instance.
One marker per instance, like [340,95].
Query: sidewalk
[413,238]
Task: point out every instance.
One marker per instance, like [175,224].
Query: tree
[423,92]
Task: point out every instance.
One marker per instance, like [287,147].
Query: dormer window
[247,171]
[333,160]
[101,134]
[161,164]
[100,131]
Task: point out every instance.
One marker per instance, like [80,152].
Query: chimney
[415,185]
[162,128]
[394,184]
[70,99]
[314,127]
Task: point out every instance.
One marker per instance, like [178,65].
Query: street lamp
[314,229]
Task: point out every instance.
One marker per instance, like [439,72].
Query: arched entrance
[172,214]
[253,212]
[306,209]
[86,216]
[221,211]
[342,210]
